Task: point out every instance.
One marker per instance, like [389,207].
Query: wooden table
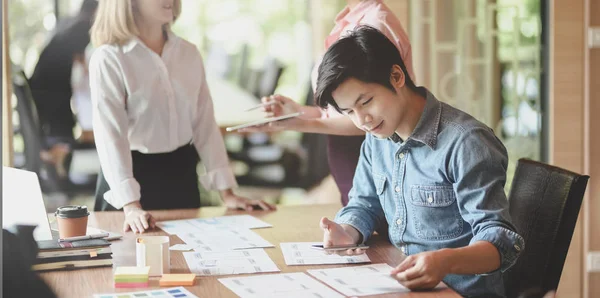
[290,224]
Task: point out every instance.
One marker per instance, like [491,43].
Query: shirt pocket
[436,215]
[380,188]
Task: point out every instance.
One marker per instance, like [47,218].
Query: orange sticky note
[93,254]
[170,280]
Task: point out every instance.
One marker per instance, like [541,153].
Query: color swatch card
[221,239]
[229,262]
[289,285]
[361,280]
[302,253]
[179,292]
[235,222]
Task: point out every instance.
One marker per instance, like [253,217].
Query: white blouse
[153,104]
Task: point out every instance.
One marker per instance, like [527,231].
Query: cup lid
[72,211]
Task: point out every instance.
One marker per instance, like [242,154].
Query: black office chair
[33,140]
[544,205]
[29,127]
[315,145]
[269,78]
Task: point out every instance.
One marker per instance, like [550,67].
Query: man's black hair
[365,54]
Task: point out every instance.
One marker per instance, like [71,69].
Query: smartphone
[264,121]
[338,248]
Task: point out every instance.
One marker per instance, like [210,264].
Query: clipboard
[264,121]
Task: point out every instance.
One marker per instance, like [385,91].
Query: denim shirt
[441,188]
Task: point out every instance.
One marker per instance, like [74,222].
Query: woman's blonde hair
[115,23]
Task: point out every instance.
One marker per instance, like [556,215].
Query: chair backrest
[270,77]
[29,125]
[316,150]
[544,204]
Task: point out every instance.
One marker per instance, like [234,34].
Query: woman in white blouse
[153,115]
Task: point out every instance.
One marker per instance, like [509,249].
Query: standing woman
[343,138]
[153,115]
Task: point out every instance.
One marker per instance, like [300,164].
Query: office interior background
[526,68]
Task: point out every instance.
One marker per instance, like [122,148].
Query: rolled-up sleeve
[208,140]
[110,124]
[479,173]
[364,211]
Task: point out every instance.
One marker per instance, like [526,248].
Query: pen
[268,103]
[86,237]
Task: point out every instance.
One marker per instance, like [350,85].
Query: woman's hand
[137,219]
[233,201]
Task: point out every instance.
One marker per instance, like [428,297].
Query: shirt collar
[355,15]
[128,46]
[135,41]
[426,130]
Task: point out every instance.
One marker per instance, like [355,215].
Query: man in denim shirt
[432,172]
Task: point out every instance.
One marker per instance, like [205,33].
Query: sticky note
[132,285]
[132,271]
[93,254]
[177,280]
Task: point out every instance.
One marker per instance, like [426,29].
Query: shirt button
[401,155]
[403,249]
[399,221]
[430,199]
[517,247]
[397,189]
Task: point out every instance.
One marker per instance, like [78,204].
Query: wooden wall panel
[566,138]
[592,232]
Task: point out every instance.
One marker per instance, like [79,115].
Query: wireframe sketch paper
[361,280]
[229,262]
[288,285]
[234,221]
[221,239]
[301,253]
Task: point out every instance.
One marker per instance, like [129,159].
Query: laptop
[23,204]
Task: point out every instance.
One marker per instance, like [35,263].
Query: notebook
[50,245]
[55,255]
[68,265]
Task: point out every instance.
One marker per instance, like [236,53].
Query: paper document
[301,253]
[361,280]
[181,247]
[162,293]
[229,262]
[289,285]
[221,239]
[235,221]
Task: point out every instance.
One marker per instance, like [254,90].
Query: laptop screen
[23,203]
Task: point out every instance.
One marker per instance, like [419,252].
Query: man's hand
[340,235]
[233,201]
[422,271]
[136,219]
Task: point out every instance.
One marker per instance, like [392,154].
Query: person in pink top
[344,139]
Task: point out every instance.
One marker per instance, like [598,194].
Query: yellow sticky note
[132,271]
[168,280]
[93,254]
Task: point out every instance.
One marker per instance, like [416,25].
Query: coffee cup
[72,220]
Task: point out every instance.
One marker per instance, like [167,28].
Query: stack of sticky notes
[173,280]
[131,277]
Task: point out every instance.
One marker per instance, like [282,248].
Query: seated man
[432,172]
